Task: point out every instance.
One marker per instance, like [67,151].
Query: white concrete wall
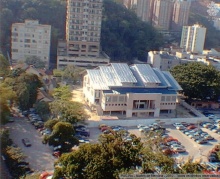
[135,122]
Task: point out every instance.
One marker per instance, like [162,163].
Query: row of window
[167,103]
[115,104]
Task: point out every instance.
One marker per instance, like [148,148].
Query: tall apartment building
[83,32]
[162,14]
[193,38]
[30,39]
[83,27]
[180,17]
[130,3]
[145,10]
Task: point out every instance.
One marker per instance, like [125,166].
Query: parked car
[83,133]
[181,127]
[172,143]
[176,146]
[26,142]
[208,137]
[201,141]
[143,128]
[140,126]
[191,127]
[177,124]
[56,154]
[179,149]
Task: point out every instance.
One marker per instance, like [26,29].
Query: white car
[140,126]
[177,124]
[144,128]
[180,127]
[176,146]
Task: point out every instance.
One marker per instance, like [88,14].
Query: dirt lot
[78,97]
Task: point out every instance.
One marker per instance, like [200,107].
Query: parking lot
[38,155]
[194,150]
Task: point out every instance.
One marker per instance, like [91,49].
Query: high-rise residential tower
[162,14]
[83,32]
[83,27]
[30,39]
[145,10]
[193,38]
[180,17]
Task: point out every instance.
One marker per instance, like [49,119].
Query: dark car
[213,159]
[26,142]
[83,133]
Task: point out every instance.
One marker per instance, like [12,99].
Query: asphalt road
[38,155]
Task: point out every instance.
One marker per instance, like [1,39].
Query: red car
[104,128]
[191,127]
[57,154]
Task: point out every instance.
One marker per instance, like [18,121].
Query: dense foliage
[124,36]
[12,154]
[198,80]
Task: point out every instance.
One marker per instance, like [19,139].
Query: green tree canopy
[62,93]
[106,159]
[63,135]
[124,36]
[71,74]
[198,80]
[35,61]
[4,66]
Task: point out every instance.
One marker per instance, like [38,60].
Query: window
[168,98]
[121,99]
[173,98]
[163,98]
[114,99]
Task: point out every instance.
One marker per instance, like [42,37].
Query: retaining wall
[135,122]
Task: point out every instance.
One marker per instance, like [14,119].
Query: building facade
[145,10]
[137,90]
[181,9]
[193,38]
[30,39]
[163,60]
[162,14]
[83,32]
[83,27]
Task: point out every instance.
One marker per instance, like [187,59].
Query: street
[38,155]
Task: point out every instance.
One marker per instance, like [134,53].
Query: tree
[6,101]
[68,111]
[42,109]
[71,74]
[4,66]
[106,159]
[63,135]
[198,80]
[50,123]
[5,140]
[27,89]
[62,93]
[124,36]
[35,61]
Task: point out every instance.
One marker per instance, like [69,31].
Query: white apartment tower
[180,17]
[193,38]
[30,39]
[83,27]
[145,9]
